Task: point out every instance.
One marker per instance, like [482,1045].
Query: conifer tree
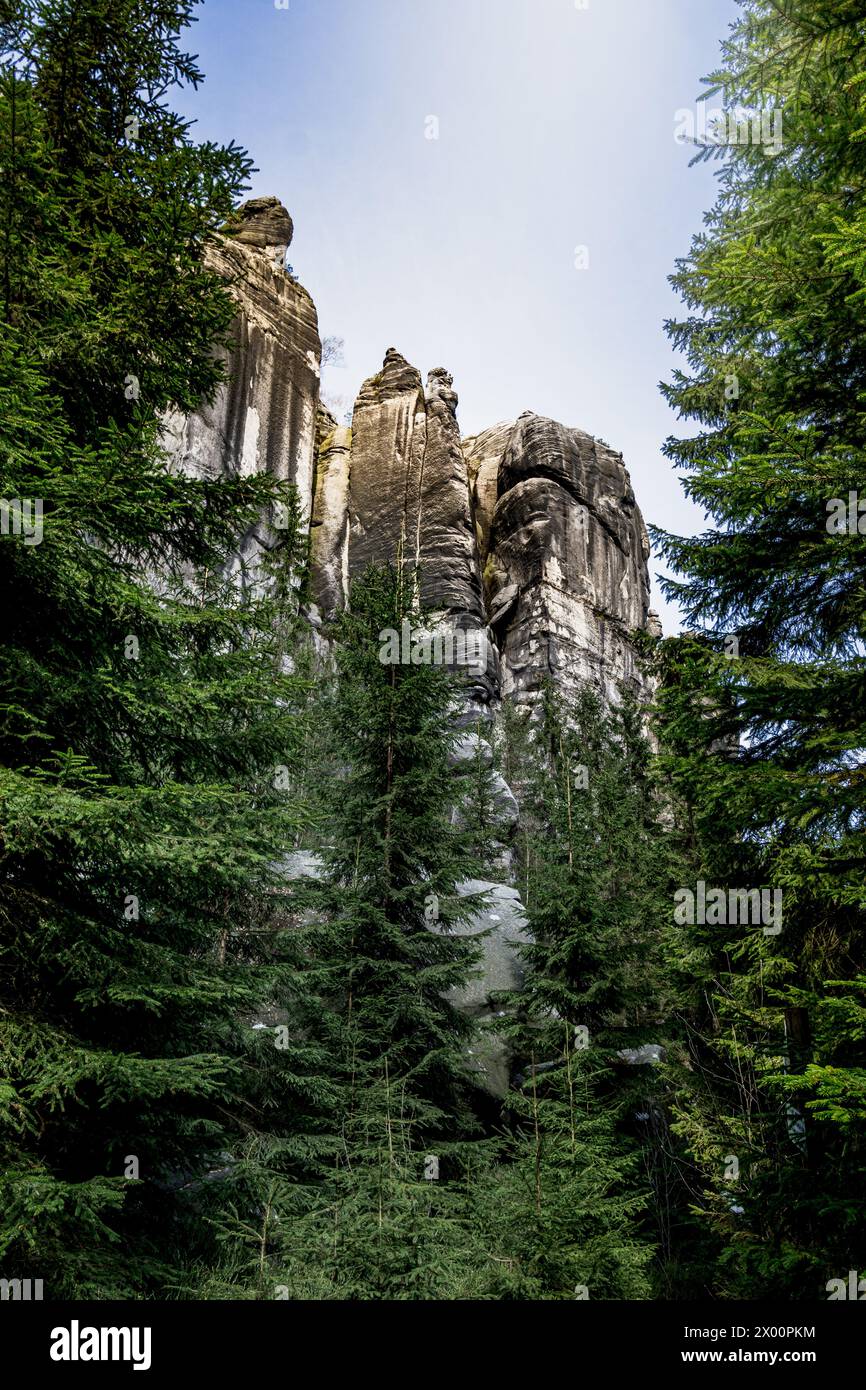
[761,708]
[571,1187]
[477,808]
[372,1179]
[142,726]
[599,884]
[562,1212]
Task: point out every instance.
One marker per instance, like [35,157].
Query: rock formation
[397,490]
[500,924]
[528,531]
[329,525]
[263,418]
[565,555]
[527,534]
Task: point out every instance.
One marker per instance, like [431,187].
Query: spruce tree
[761,707]
[562,1212]
[142,725]
[369,1181]
[599,879]
[571,1189]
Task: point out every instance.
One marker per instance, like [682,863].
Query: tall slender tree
[761,708]
[141,737]
[567,1208]
[370,1185]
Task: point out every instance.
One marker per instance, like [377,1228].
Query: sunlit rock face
[263,418]
[329,526]
[409,490]
[265,224]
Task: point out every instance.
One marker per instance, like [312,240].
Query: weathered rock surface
[565,556]
[483,453]
[468,751]
[263,419]
[301,863]
[500,923]
[530,527]
[408,498]
[409,493]
[329,525]
[265,223]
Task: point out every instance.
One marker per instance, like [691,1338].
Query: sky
[491,186]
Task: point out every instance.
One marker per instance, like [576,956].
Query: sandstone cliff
[530,530]
[528,533]
[263,418]
[565,554]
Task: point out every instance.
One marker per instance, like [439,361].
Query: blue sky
[555,131]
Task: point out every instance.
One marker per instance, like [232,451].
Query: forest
[218,1082]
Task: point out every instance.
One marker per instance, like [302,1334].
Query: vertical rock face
[409,488]
[396,490]
[388,443]
[531,527]
[484,452]
[499,922]
[529,531]
[263,418]
[565,556]
[329,526]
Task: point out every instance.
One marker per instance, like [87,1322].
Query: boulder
[263,223]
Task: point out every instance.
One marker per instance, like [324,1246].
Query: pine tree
[562,1212]
[143,727]
[477,809]
[761,709]
[370,1183]
[595,877]
[598,885]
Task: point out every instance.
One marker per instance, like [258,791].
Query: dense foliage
[239,877]
[761,705]
[140,733]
